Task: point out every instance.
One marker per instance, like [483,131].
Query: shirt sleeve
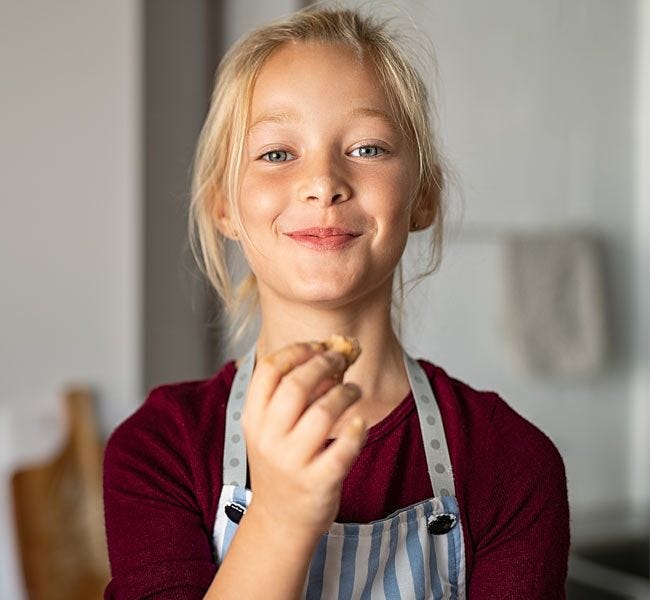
[157,541]
[523,542]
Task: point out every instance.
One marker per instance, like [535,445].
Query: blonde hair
[215,180]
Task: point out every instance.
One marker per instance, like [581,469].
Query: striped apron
[414,553]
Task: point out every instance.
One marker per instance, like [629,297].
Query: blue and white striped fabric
[392,558]
[395,557]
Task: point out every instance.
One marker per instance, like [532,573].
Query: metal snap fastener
[235,511]
[441,523]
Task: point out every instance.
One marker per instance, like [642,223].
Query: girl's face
[327,179]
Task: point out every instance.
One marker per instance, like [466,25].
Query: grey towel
[555,303]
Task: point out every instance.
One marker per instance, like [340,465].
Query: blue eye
[276,156]
[368,151]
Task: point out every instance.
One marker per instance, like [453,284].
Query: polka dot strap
[234,456]
[433,433]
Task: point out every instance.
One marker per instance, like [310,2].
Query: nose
[324,184]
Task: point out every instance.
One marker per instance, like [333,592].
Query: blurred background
[543,293]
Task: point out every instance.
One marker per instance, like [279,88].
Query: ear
[223,220]
[426,205]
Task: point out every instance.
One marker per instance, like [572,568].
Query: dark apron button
[235,511]
[441,523]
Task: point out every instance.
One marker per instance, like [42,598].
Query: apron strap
[433,432]
[234,455]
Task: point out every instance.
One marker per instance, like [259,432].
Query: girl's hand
[295,397]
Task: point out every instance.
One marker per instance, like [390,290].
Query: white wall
[538,110]
[70,212]
[69,225]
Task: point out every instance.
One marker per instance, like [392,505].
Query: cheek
[260,199]
[389,196]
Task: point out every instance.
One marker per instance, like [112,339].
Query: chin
[334,297]
[325,294]
[323,297]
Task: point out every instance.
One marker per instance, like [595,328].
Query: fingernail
[336,359]
[357,423]
[352,389]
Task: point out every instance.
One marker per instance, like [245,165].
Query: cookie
[347,346]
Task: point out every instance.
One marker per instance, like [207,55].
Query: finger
[333,464]
[294,392]
[312,429]
[325,386]
[270,370]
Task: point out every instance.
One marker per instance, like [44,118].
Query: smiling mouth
[323,232]
[324,238]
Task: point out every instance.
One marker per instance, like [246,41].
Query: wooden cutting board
[59,513]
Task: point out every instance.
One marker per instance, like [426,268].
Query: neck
[379,370]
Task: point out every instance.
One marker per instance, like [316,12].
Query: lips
[323,232]
[324,238]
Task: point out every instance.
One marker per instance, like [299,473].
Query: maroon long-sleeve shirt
[162,481]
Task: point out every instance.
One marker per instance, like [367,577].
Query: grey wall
[640,425]
[240,17]
[179,59]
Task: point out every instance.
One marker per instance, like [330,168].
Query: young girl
[292,473]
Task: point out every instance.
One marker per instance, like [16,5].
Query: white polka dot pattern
[234,467]
[433,433]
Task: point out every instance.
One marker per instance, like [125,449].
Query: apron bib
[415,553]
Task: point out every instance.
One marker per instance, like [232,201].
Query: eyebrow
[290,116]
[364,111]
[275,117]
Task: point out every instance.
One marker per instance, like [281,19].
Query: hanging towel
[555,303]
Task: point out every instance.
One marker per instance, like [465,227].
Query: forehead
[301,79]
